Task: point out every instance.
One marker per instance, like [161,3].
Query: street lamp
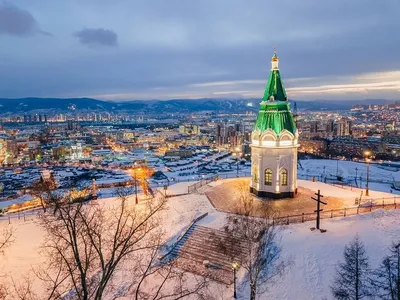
[235,267]
[135,171]
[165,190]
[366,154]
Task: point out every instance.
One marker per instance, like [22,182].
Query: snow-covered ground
[348,170]
[381,177]
[344,192]
[25,253]
[314,254]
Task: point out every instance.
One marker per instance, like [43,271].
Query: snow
[379,174]
[25,253]
[179,188]
[396,177]
[315,254]
[342,192]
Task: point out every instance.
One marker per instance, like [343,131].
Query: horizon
[199,99]
[201,50]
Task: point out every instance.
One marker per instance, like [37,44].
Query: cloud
[17,22]
[205,48]
[368,83]
[97,36]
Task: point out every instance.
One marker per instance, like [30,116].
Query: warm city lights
[210,150]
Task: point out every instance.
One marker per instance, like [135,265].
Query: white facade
[76,151]
[274,164]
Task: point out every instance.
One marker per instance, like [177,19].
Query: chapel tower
[274,142]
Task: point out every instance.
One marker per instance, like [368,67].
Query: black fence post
[331,214]
[287,220]
[302,218]
[357,209]
[344,213]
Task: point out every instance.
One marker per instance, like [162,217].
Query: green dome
[275,87]
[275,111]
[275,115]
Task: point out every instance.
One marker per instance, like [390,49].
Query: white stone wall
[268,153]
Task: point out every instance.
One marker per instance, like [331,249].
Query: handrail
[183,234]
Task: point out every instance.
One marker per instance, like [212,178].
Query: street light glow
[235,265]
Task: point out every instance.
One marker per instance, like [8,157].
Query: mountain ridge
[24,105]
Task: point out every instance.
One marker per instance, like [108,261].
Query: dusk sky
[158,49]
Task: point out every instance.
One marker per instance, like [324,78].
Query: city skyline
[170,50]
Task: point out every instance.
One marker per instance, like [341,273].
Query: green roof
[275,87]
[275,111]
[275,115]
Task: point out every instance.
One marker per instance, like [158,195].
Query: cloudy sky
[160,49]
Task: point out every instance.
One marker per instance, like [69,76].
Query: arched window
[268,177]
[283,177]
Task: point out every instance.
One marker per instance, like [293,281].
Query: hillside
[174,105]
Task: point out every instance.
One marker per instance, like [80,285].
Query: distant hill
[174,105]
[29,104]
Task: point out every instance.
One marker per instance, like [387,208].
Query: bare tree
[44,190]
[100,251]
[352,279]
[387,275]
[6,239]
[261,251]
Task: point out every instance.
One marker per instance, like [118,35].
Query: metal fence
[352,182]
[234,175]
[386,203]
[19,216]
[192,188]
[195,186]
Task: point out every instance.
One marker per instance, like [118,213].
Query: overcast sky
[160,49]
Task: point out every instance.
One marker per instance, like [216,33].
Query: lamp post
[165,190]
[134,171]
[366,154]
[136,197]
[235,267]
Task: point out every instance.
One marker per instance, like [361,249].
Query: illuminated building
[274,142]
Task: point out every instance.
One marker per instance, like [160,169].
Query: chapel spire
[274,91]
[275,60]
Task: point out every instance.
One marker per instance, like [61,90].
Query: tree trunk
[252,291]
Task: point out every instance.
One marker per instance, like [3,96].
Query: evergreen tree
[387,276]
[352,281]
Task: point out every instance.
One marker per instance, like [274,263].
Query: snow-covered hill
[315,254]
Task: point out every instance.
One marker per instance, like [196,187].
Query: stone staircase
[208,252]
